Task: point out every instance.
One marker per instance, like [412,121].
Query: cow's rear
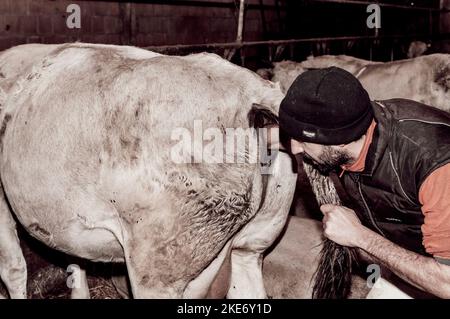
[88,167]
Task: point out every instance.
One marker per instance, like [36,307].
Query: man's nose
[296,147]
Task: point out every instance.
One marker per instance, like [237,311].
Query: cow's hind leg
[13,269]
[154,255]
[261,232]
[119,279]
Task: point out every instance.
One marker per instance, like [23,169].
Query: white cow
[86,167]
[424,79]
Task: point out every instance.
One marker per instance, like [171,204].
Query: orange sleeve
[434,195]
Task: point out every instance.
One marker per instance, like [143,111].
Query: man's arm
[434,196]
[423,272]
[342,226]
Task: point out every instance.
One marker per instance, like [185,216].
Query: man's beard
[331,160]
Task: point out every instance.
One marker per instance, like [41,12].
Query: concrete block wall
[27,21]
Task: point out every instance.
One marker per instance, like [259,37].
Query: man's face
[325,158]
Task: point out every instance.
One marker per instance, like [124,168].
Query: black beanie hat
[326,106]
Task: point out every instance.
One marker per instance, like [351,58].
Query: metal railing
[241,43]
[238,45]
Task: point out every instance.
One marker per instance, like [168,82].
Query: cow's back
[425,79]
[16,63]
[348,63]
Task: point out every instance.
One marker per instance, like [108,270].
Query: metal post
[240,29]
[430,23]
[263,19]
[125,12]
[240,22]
[133,24]
[280,24]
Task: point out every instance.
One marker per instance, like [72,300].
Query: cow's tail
[333,277]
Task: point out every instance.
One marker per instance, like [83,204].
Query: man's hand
[341,225]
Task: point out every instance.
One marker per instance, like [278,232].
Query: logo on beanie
[309,134]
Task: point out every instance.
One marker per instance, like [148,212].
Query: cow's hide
[87,166]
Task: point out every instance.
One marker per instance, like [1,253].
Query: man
[394,162]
